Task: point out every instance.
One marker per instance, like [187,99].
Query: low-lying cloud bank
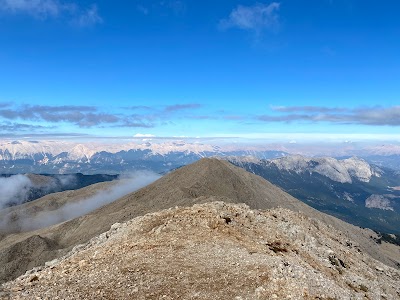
[21,188]
[14,190]
[23,221]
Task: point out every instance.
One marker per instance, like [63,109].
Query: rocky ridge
[213,251]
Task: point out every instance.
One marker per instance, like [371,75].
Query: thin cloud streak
[133,124]
[234,118]
[374,116]
[87,116]
[318,109]
[203,117]
[165,109]
[138,107]
[13,127]
[36,8]
[44,136]
[46,9]
[82,116]
[5,104]
[177,107]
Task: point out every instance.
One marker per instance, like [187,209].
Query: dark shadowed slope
[204,181]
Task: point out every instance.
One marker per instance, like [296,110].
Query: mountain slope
[349,189]
[197,183]
[214,251]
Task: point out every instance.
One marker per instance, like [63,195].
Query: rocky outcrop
[378,201]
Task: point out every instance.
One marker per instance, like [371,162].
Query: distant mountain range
[58,157]
[350,189]
[353,189]
[55,157]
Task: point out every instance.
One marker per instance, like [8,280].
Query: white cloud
[14,190]
[141,135]
[44,9]
[88,18]
[256,18]
[37,8]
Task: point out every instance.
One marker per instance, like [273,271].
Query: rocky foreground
[213,251]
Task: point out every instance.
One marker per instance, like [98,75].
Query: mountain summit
[205,181]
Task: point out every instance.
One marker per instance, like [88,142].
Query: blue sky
[199,68]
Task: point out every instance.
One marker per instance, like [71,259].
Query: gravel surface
[213,251]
